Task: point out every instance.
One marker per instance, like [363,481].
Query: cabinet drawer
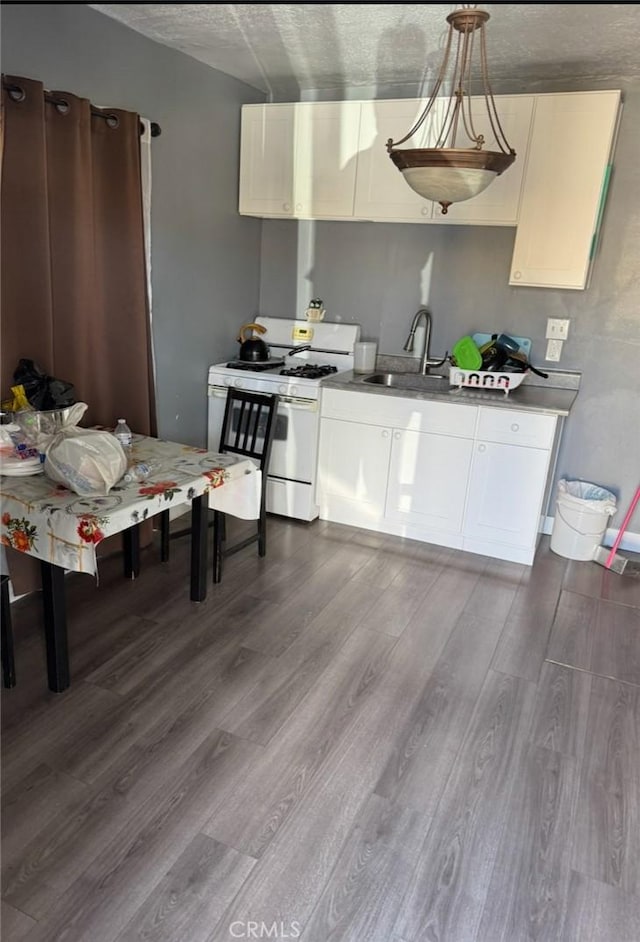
[516,428]
[418,415]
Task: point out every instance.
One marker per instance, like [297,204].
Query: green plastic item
[466,354]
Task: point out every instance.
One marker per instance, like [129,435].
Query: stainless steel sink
[416,381]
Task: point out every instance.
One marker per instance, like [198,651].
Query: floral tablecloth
[50,522]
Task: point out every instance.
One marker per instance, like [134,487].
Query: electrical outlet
[554,350]
[557,329]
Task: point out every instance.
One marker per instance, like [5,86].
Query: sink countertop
[554,396]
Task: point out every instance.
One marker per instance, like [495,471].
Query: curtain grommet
[16,93]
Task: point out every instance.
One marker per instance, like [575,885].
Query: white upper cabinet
[299,160]
[564,188]
[328,160]
[381,191]
[266,160]
[498,205]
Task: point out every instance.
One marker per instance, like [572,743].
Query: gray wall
[205,257]
[378,274]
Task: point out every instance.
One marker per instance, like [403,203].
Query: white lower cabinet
[468,477]
[354,468]
[396,465]
[512,456]
[428,481]
[506,488]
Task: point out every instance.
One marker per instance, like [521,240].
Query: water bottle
[139,472]
[123,433]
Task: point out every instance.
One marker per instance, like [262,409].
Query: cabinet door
[326,136]
[506,490]
[564,186]
[267,160]
[498,205]
[352,472]
[381,192]
[428,480]
[299,160]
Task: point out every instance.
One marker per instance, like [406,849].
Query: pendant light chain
[496,126]
[441,76]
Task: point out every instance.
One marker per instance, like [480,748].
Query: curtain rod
[17,93]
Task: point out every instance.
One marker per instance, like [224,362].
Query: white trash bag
[86,460]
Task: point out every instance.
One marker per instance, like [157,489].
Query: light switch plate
[557,329]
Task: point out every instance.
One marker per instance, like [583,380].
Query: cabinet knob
[515,427]
[397,435]
[298,207]
[517,275]
[425,211]
[286,207]
[482,447]
[385,433]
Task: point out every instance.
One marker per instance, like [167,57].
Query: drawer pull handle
[397,436]
[385,434]
[515,427]
[482,447]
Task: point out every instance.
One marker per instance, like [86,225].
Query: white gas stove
[301,355]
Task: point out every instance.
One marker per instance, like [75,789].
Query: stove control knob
[238,383]
[282,389]
[294,390]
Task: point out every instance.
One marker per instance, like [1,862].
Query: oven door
[295,442]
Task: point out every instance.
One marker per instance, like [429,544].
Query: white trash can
[582,515]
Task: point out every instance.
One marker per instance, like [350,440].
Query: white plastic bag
[87,461]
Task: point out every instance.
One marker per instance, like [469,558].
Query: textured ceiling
[285,49]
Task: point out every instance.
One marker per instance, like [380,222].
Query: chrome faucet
[427,361]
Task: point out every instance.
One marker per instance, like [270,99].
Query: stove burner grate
[310,370]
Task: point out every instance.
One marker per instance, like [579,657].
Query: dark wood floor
[358,738]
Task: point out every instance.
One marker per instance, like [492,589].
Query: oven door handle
[294,402]
[284,402]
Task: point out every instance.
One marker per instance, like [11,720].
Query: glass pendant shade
[452,174]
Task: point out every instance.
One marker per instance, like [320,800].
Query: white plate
[8,461]
[20,472]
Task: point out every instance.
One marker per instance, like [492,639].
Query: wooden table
[63,530]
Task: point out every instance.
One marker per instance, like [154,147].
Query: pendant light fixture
[457,167]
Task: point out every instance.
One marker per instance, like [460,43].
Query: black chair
[248,428]
[8,663]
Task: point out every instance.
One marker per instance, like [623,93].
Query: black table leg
[8,662]
[199,521]
[165,522]
[131,548]
[55,626]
